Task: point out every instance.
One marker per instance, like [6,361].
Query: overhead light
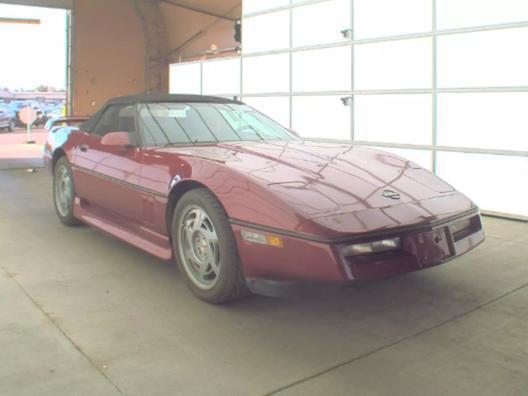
[214,48]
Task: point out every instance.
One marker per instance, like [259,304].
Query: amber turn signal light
[270,240]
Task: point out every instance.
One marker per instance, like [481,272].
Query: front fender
[243,197]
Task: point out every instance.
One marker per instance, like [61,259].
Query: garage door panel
[484,120]
[494,182]
[185,78]
[321,117]
[404,119]
[483,59]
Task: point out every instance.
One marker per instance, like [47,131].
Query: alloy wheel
[199,248]
[63,190]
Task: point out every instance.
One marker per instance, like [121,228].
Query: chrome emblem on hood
[391,194]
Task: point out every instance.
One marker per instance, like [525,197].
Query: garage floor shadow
[82,313]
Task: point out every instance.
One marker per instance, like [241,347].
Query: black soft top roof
[164,98]
[89,124]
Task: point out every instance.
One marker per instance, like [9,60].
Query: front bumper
[308,262]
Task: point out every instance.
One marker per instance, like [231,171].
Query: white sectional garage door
[441,82]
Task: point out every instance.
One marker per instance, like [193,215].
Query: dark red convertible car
[243,204]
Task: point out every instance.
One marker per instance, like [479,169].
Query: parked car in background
[243,204]
[47,108]
[17,106]
[54,111]
[7,118]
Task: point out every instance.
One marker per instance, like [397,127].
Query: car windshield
[180,123]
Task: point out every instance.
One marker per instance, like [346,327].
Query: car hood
[318,178]
[324,179]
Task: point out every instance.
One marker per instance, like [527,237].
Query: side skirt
[156,244]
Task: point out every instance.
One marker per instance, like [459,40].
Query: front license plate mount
[435,246]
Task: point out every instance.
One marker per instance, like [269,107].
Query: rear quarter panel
[65,139]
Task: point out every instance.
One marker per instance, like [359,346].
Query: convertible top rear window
[163,124]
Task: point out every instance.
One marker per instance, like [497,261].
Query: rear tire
[11,126]
[64,192]
[205,249]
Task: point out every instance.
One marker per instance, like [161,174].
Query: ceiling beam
[186,42]
[64,4]
[199,10]
[20,21]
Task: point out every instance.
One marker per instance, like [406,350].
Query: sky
[33,55]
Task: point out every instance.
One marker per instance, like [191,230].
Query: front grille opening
[377,257]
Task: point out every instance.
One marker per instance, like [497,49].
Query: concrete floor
[82,313]
[15,153]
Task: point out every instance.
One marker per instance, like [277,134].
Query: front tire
[11,126]
[205,249]
[64,192]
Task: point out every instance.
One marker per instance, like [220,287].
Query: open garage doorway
[33,74]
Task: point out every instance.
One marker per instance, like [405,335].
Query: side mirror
[116,139]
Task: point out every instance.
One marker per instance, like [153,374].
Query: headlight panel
[364,248]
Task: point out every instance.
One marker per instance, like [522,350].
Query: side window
[117,118]
[126,119]
[107,122]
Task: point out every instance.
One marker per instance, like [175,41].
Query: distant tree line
[40,88]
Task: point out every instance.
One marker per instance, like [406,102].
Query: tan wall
[108,57]
[108,53]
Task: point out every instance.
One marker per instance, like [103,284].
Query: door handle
[84,148]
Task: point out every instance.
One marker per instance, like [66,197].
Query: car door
[108,176]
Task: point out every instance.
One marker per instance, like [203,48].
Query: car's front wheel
[11,126]
[205,249]
[64,192]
